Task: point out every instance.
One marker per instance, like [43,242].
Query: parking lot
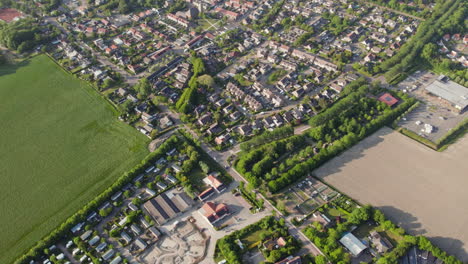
[432,111]
[440,118]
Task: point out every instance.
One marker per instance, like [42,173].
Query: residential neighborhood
[209,131]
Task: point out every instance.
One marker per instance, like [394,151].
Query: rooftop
[450,91]
[353,244]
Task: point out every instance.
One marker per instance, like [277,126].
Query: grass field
[61,145]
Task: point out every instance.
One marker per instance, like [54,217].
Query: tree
[320,259]
[136,201]
[206,80]
[127,106]
[429,51]
[107,83]
[123,7]
[204,167]
[143,88]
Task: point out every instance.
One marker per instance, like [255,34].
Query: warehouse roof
[450,91]
[353,244]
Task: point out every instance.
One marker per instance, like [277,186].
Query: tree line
[267,136]
[23,35]
[445,19]
[337,146]
[334,130]
[188,98]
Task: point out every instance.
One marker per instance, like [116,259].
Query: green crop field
[61,145]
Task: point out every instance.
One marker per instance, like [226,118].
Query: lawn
[62,144]
[252,238]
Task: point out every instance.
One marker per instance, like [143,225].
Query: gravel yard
[421,189]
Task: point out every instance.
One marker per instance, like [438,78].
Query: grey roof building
[450,91]
[353,244]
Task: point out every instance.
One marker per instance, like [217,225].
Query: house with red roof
[215,183]
[446,37]
[214,212]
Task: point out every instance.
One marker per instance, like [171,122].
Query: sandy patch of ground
[423,190]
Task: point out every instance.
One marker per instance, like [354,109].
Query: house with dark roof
[167,205]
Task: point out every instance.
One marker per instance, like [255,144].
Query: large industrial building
[167,205]
[452,92]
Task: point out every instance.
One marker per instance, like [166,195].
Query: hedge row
[302,169]
[64,229]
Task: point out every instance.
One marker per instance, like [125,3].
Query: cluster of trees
[298,21]
[189,97]
[124,6]
[187,167]
[299,156]
[81,215]
[422,243]
[254,164]
[448,17]
[205,158]
[327,239]
[404,6]
[301,169]
[24,35]
[337,24]
[267,136]
[143,88]
[271,227]
[439,63]
[250,196]
[28,7]
[178,5]
[352,120]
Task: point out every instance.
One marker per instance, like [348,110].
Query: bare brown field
[424,191]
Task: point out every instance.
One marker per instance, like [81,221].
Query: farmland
[422,190]
[61,146]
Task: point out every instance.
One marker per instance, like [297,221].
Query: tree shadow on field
[9,68]
[452,246]
[355,152]
[404,219]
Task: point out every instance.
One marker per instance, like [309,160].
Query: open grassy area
[61,146]
[252,238]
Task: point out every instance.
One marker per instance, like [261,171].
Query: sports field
[422,190]
[61,145]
